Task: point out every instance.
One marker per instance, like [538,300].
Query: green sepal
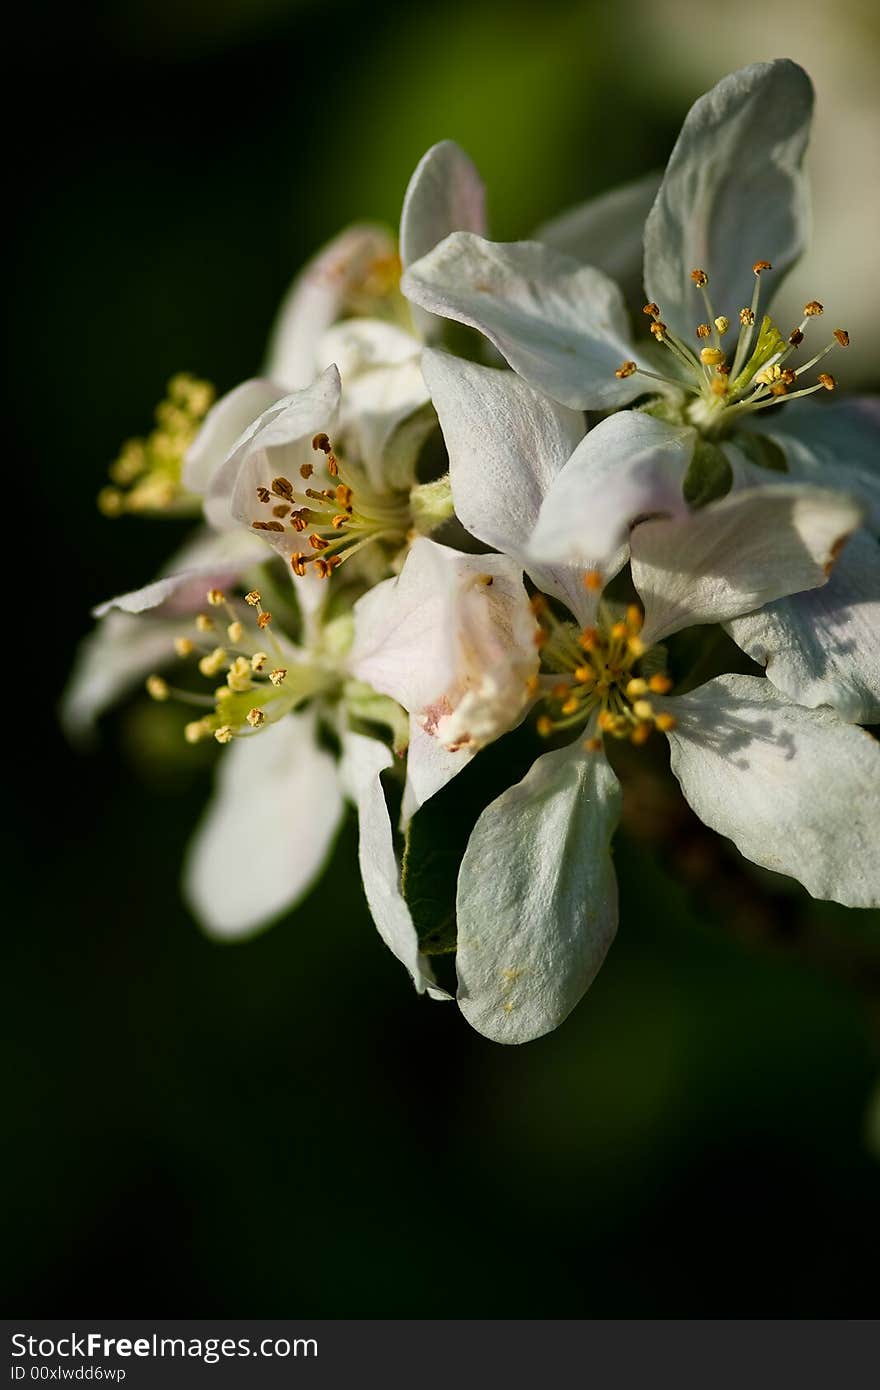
[365,707]
[709,475]
[431,505]
[761,451]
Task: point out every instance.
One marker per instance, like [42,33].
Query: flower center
[603,673]
[258,686]
[335,521]
[760,372]
[146,475]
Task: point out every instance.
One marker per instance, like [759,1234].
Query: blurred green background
[282,1127]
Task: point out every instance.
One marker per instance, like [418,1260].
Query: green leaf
[438,833]
[709,475]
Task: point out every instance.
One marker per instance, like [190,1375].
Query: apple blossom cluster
[485,493]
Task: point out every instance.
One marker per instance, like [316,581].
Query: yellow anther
[544,726]
[607,721]
[659,683]
[636,688]
[215,597]
[700,278]
[712,357]
[593,581]
[196,730]
[761,265]
[204,623]
[589,639]
[213,662]
[585,675]
[570,706]
[263,620]
[827,380]
[703,330]
[813,309]
[239,678]
[641,733]
[718,384]
[842,337]
[722,323]
[183,646]
[253,598]
[665,722]
[769,375]
[255,717]
[235,632]
[634,617]
[625,369]
[279,675]
[619,631]
[224,733]
[533,685]
[110,501]
[659,330]
[157,688]
[221,693]
[652,310]
[258,661]
[593,745]
[643,709]
[746,317]
[796,337]
[636,647]
[560,691]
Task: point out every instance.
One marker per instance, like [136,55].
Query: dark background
[282,1127]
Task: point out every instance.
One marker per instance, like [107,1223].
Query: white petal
[277,444]
[383,387]
[734,555]
[607,231]
[318,297]
[403,644]
[452,640]
[268,830]
[561,325]
[364,759]
[507,444]
[445,194]
[733,193]
[629,467]
[797,790]
[822,647]
[110,662]
[537,897]
[835,443]
[223,426]
[209,560]
[429,766]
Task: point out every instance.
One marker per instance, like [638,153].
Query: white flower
[798,790]
[732,201]
[279,800]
